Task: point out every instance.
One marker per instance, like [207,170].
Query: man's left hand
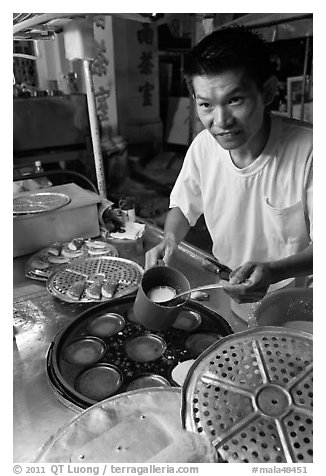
[249,282]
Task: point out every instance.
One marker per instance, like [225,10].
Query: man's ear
[269,90]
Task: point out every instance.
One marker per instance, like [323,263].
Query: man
[248,172]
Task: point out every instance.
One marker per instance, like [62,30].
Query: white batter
[161,293]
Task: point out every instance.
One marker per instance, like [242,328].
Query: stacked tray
[39,202]
[105,352]
[43,263]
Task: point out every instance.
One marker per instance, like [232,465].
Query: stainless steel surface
[38,317]
[251,395]
[37,414]
[125,272]
[39,202]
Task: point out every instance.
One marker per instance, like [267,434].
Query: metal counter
[38,317]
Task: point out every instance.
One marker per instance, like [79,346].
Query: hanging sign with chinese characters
[104,75]
[143,62]
[145,66]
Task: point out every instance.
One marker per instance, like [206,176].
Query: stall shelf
[43,26]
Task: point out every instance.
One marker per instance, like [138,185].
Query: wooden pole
[95,131]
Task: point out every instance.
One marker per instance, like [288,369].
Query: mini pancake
[108,289]
[106,325]
[55,248]
[76,244]
[85,351]
[93,290]
[98,251]
[187,321]
[71,253]
[99,382]
[97,244]
[39,264]
[76,290]
[58,259]
[145,348]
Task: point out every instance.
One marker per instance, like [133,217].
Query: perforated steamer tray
[251,394]
[118,270]
[39,202]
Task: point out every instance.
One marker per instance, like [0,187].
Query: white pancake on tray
[45,261]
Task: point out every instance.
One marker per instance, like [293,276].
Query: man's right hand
[163,251]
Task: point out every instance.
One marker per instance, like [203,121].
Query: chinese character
[146,34]
[101,103]
[147,93]
[100,63]
[99,21]
[146,65]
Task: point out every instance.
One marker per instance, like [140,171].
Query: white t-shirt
[262,212]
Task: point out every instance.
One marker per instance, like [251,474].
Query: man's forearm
[176,225]
[300,264]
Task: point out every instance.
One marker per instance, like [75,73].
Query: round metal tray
[119,270]
[63,374]
[110,415]
[39,202]
[33,272]
[251,394]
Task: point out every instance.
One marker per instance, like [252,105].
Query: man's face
[231,107]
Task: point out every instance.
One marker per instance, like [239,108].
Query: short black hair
[229,49]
